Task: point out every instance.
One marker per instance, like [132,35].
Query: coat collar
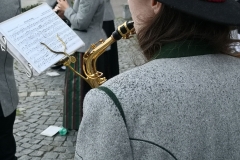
[184,49]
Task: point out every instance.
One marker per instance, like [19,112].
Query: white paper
[41,24]
[51,131]
[52,74]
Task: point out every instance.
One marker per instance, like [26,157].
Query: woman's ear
[156,6]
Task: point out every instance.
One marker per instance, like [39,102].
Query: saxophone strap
[115,100]
[119,106]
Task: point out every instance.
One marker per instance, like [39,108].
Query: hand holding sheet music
[25,32]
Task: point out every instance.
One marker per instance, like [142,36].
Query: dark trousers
[7,141]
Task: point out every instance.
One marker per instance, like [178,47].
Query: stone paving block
[36,158]
[24,123]
[71,138]
[17,138]
[36,154]
[60,119]
[60,138]
[40,122]
[46,148]
[43,127]
[27,151]
[72,133]
[66,156]
[54,93]
[25,157]
[22,98]
[23,94]
[53,107]
[46,109]
[45,114]
[49,122]
[51,155]
[68,144]
[33,125]
[23,128]
[40,137]
[34,141]
[60,149]
[29,98]
[26,145]
[55,114]
[44,118]
[32,120]
[21,105]
[49,138]
[46,143]
[38,131]
[19,149]
[21,133]
[56,144]
[36,146]
[32,94]
[55,111]
[58,124]
[31,130]
[19,154]
[35,116]
[53,118]
[70,149]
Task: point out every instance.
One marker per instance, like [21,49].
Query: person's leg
[7,141]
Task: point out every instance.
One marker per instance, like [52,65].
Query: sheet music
[41,24]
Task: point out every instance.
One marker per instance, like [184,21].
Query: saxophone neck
[104,44]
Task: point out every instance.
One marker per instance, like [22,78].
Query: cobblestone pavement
[41,104]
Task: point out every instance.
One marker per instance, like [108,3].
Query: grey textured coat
[8,90]
[86,19]
[53,2]
[188,107]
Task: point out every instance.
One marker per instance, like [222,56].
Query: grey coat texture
[187,108]
[53,2]
[86,19]
[8,90]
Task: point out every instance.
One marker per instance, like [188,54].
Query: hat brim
[227,12]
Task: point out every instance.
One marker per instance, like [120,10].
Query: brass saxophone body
[93,77]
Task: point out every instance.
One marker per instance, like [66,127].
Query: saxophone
[93,77]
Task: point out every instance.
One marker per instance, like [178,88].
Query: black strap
[114,99]
[119,106]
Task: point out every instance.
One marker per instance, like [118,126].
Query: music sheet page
[40,24]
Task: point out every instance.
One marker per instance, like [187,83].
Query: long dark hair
[170,25]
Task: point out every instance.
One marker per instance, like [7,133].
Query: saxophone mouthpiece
[130,25]
[124,30]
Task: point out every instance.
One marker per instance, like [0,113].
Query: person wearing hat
[183,104]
